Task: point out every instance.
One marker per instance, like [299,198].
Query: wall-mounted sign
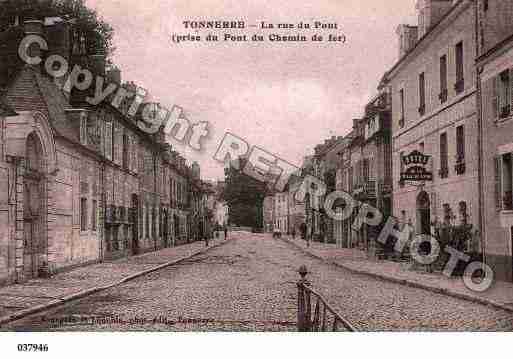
[415,167]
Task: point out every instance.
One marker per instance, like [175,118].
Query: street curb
[407,282]
[87,292]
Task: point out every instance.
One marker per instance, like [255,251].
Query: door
[424,219]
[135,224]
[33,210]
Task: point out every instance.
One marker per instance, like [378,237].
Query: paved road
[249,284]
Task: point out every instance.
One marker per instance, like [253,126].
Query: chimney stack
[430,12]
[408,36]
[114,75]
[34,27]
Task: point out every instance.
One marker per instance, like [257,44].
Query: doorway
[423,213]
[34,248]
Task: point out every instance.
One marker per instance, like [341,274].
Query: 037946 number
[32,347]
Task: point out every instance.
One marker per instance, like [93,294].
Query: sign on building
[415,167]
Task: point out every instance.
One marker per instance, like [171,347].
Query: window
[350,179]
[443,79]
[463,213]
[94,215]
[401,99]
[460,82]
[108,140]
[83,128]
[422,94]
[444,161]
[126,151]
[504,94]
[503,182]
[447,214]
[460,150]
[401,167]
[83,214]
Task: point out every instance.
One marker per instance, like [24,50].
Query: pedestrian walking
[225,232]
[293,233]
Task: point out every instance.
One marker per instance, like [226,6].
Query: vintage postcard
[255,166]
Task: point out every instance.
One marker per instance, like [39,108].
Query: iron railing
[324,318]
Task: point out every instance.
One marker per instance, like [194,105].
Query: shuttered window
[460,143]
[459,86]
[504,93]
[498,183]
[444,160]
[495,98]
[422,94]
[443,79]
[108,140]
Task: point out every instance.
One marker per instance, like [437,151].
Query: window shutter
[498,183]
[108,140]
[495,97]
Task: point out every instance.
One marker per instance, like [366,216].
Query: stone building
[433,92]
[365,169]
[495,71]
[80,183]
[268,213]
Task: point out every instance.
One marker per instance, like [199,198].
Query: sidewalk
[20,300]
[500,295]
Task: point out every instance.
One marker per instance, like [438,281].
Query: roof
[6,110]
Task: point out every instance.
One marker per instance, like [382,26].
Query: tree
[244,196]
[98,33]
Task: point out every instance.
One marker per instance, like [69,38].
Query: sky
[283,97]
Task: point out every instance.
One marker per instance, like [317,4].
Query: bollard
[303,302]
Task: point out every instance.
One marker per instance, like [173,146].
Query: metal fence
[323,318]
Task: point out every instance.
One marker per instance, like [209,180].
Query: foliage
[87,21]
[244,196]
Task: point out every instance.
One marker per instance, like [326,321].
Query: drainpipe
[480,139]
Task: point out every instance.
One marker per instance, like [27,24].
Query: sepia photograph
[173,170]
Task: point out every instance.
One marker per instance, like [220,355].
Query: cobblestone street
[249,284]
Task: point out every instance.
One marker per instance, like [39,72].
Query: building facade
[81,183]
[495,71]
[433,92]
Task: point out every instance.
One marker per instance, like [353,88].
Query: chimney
[34,27]
[430,12]
[114,75]
[408,36]
[97,64]
[58,37]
